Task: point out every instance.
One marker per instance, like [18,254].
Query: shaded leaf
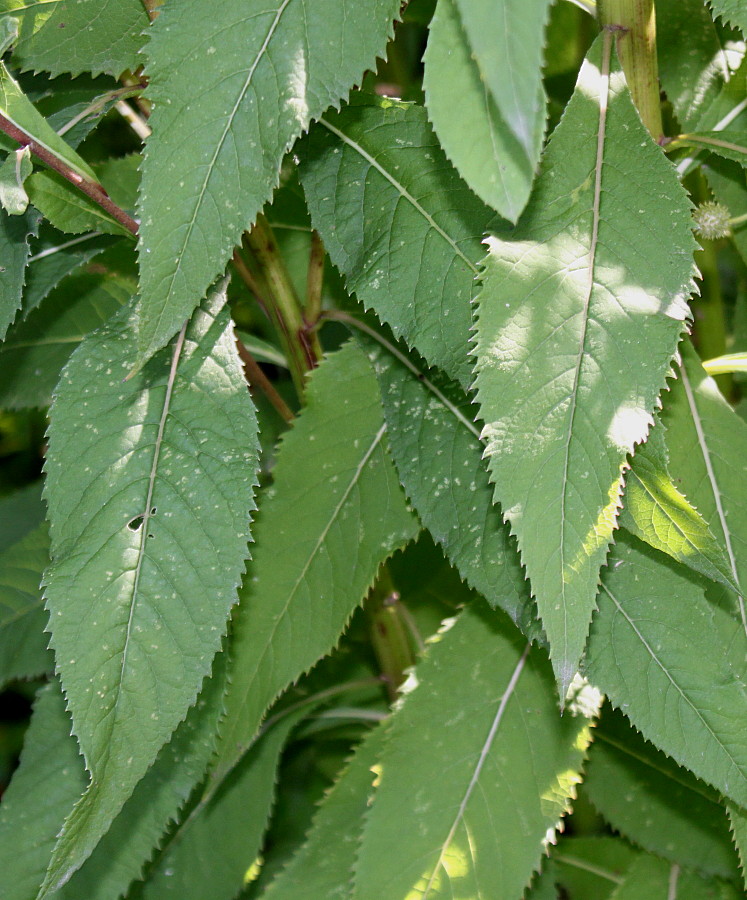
[483,68]
[13,172]
[653,622]
[657,513]
[20,512]
[438,454]
[651,877]
[23,619]
[289,57]
[79,35]
[400,224]
[336,513]
[580,312]
[655,803]
[67,208]
[477,771]
[729,144]
[323,866]
[15,232]
[148,545]
[589,868]
[37,348]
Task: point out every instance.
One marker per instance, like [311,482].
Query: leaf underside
[578,324]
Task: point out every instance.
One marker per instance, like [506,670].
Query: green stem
[708,309]
[389,632]
[636,47]
[282,303]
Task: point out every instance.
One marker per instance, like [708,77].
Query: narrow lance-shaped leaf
[79,35]
[653,802]
[323,866]
[192,863]
[149,540]
[336,513]
[400,224]
[438,454]
[657,513]
[655,650]
[265,70]
[23,619]
[483,77]
[580,312]
[477,771]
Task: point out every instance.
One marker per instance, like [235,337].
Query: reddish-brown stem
[256,377]
[91,189]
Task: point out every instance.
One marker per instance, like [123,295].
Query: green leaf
[706,441]
[67,208]
[732,12]
[655,803]
[15,232]
[23,619]
[265,71]
[148,545]
[53,257]
[656,652]
[438,454]
[79,35]
[323,866]
[142,824]
[192,863]
[399,223]
[651,877]
[477,771]
[738,823]
[336,513]
[37,348]
[49,779]
[483,78]
[729,144]
[580,312]
[13,172]
[694,64]
[729,362]
[20,512]
[657,513]
[19,110]
[588,868]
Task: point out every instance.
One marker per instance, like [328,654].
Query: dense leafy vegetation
[373,520]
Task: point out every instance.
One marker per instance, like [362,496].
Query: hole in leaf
[136,522]
[153,510]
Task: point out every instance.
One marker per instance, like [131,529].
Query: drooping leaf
[37,348]
[657,513]
[23,619]
[18,109]
[477,771]
[653,624]
[15,232]
[652,877]
[323,866]
[400,224]
[580,312]
[49,779]
[438,454]
[483,68]
[148,545]
[706,441]
[193,863]
[142,824]
[336,513]
[655,803]
[694,65]
[265,71]
[78,36]
[67,208]
[732,12]
[53,257]
[13,172]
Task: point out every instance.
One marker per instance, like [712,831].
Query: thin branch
[91,189]
[256,377]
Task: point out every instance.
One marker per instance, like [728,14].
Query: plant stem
[710,324]
[256,377]
[389,633]
[283,304]
[314,280]
[636,47]
[91,189]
